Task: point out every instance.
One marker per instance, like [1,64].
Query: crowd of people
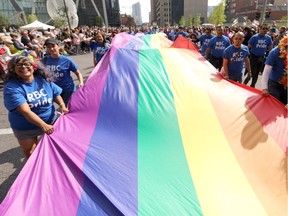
[39,67]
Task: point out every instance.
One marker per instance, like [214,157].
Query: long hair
[38,67]
[103,36]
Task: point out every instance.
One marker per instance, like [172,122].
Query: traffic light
[258,15]
[267,14]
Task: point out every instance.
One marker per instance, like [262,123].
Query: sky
[126,7]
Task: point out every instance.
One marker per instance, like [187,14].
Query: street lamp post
[263,12]
[168,2]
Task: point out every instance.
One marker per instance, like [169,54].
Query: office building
[136,13]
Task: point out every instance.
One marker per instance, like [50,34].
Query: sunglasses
[265,28]
[26,64]
[237,38]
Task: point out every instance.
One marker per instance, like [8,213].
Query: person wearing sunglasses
[258,45]
[29,94]
[215,48]
[234,57]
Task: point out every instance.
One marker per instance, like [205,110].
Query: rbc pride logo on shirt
[38,98]
[56,70]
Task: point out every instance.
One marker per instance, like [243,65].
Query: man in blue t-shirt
[204,40]
[182,32]
[258,44]
[234,57]
[216,47]
[61,66]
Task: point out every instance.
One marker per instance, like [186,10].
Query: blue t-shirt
[184,34]
[171,35]
[99,49]
[39,95]
[277,64]
[217,45]
[204,40]
[259,44]
[235,57]
[61,68]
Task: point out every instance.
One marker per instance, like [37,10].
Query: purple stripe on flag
[62,176]
[111,164]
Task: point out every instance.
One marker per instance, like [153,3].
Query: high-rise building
[17,10]
[163,12]
[153,17]
[169,12]
[196,8]
[177,11]
[250,10]
[136,13]
[107,9]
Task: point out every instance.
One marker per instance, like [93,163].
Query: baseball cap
[51,41]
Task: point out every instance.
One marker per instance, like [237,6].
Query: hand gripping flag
[156,130]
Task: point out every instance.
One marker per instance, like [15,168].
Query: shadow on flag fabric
[156,130]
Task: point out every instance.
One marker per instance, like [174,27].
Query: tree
[189,21]
[218,17]
[4,21]
[31,18]
[182,21]
[197,20]
[283,21]
[99,21]
[61,20]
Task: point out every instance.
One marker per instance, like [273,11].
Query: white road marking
[5,131]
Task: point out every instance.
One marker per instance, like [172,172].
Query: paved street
[11,156]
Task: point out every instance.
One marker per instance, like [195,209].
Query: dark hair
[103,35]
[248,29]
[39,69]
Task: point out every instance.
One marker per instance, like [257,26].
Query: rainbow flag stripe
[156,130]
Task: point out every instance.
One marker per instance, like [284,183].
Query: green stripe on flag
[164,183]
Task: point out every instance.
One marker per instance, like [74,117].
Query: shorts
[27,134]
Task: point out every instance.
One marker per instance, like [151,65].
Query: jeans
[257,65]
[216,62]
[278,91]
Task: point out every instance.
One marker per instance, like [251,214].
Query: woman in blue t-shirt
[28,96]
[99,46]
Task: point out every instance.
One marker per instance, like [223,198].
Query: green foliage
[189,21]
[182,21]
[4,21]
[99,21]
[218,17]
[197,20]
[59,22]
[283,21]
[31,18]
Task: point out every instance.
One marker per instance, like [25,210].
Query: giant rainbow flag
[156,130]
